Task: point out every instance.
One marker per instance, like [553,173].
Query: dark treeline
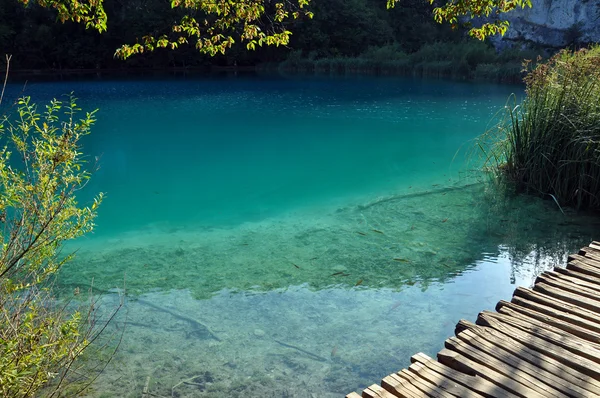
[345,35]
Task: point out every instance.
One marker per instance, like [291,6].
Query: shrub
[549,144]
[41,169]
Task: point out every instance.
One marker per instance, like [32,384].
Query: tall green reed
[549,144]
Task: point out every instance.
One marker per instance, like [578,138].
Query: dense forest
[358,35]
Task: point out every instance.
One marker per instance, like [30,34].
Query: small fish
[244,244]
[360,281]
[411,283]
[377,231]
[444,220]
[412,227]
[296,266]
[402,260]
[435,185]
[395,305]
[341,273]
[314,258]
[361,233]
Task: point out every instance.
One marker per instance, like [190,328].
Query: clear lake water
[296,237]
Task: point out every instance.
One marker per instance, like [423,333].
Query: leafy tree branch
[213,26]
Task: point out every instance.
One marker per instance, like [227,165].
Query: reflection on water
[317,304]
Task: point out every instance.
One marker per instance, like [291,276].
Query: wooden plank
[376,391]
[534,357]
[558,318]
[574,280]
[353,395]
[474,383]
[498,352]
[552,325]
[443,383]
[578,275]
[585,260]
[554,302]
[426,387]
[569,287]
[502,368]
[590,252]
[555,337]
[400,387]
[569,297]
[567,357]
[583,267]
[457,361]
[595,245]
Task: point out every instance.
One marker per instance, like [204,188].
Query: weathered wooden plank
[577,275]
[459,362]
[595,245]
[425,386]
[552,325]
[586,260]
[555,337]
[375,391]
[574,280]
[567,357]
[583,267]
[400,387]
[532,356]
[444,384]
[569,287]
[441,382]
[504,369]
[558,318]
[498,352]
[353,395]
[569,297]
[474,383]
[590,252]
[550,301]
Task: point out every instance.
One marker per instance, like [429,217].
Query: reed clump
[549,144]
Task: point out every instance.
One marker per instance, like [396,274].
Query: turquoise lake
[295,237]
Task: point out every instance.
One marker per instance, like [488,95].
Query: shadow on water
[318,305]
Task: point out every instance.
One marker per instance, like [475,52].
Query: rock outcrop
[553,24]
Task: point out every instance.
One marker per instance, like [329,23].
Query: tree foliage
[214,26]
[41,170]
[453,10]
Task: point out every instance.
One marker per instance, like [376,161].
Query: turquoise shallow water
[296,237]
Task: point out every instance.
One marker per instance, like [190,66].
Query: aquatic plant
[41,170]
[549,144]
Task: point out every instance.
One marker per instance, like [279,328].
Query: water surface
[296,237]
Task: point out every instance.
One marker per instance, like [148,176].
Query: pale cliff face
[554,23]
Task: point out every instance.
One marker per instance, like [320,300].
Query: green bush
[549,144]
[41,169]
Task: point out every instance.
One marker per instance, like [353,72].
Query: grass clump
[549,144]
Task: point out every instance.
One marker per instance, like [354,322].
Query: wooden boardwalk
[544,343]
